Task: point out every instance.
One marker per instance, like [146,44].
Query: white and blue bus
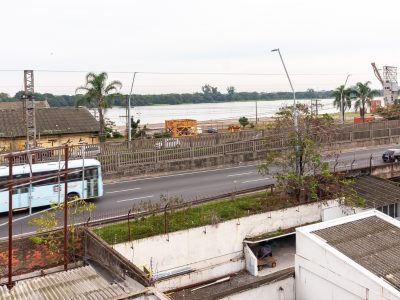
[48,189]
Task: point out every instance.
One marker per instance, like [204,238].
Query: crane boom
[377,74]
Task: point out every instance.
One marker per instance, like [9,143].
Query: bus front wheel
[73,196]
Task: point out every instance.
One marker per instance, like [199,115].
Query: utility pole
[311,108]
[316,105]
[256,112]
[126,115]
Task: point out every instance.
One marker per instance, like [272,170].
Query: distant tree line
[209,94]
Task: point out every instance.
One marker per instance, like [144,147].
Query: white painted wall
[325,274]
[333,210]
[279,290]
[212,251]
[251,261]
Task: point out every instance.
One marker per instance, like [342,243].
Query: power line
[178,73]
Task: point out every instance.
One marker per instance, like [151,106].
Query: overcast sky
[326,38]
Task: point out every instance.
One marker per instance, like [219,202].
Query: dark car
[391,155]
[212,130]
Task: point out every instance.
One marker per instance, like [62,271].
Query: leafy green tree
[300,171]
[96,90]
[4,97]
[337,94]
[363,94]
[230,90]
[243,121]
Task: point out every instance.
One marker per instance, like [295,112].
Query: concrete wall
[251,260]
[210,251]
[247,151]
[283,289]
[321,274]
[334,210]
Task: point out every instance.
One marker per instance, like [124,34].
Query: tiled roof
[18,104]
[81,283]
[371,242]
[49,121]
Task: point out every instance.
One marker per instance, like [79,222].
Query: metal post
[370,165]
[295,116]
[66,209]
[129,225]
[30,182]
[10,223]
[341,99]
[129,109]
[256,112]
[83,171]
[58,178]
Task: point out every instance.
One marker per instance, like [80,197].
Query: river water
[157,114]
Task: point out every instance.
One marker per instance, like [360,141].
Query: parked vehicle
[167,144]
[212,130]
[391,155]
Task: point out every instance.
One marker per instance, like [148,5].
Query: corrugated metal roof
[77,284]
[371,242]
[377,191]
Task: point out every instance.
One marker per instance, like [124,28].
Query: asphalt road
[120,196]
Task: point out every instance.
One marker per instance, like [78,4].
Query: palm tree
[363,94]
[340,92]
[96,90]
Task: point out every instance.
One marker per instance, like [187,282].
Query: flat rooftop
[371,239]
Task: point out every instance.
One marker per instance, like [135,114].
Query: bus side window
[3,182]
[21,190]
[91,173]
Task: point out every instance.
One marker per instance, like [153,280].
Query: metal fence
[115,156]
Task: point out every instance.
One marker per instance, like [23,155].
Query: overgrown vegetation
[50,220]
[196,216]
[300,171]
[390,112]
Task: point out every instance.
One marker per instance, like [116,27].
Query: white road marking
[254,180]
[120,191]
[133,199]
[234,175]
[180,174]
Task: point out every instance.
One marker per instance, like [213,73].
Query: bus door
[20,197]
[92,182]
[20,194]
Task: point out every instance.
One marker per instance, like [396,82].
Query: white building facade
[354,257]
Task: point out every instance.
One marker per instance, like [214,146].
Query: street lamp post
[129,109]
[341,98]
[295,121]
